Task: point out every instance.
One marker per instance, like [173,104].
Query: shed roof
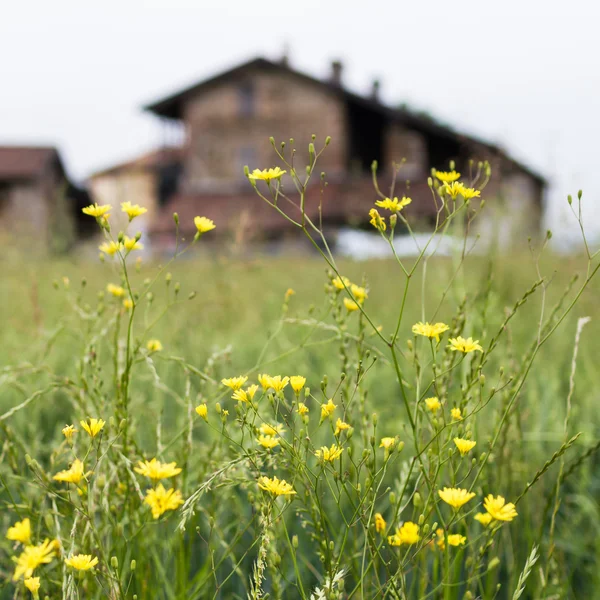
[26,162]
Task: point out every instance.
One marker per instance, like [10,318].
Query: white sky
[525,73]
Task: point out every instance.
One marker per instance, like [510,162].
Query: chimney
[376,86]
[336,73]
[284,61]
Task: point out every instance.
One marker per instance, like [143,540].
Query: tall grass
[71,350]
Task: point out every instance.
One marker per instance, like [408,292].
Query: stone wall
[229,126]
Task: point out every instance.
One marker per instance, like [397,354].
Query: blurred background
[164,103]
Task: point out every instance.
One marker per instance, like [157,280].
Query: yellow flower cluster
[464,446]
[329,454]
[160,500]
[275,486]
[377,220]
[393,204]
[267,175]
[154,469]
[464,345]
[430,330]
[407,534]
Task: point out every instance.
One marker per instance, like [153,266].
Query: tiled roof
[25,162]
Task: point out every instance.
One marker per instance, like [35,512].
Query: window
[247,99]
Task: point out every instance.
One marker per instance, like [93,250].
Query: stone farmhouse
[38,202]
[227,121]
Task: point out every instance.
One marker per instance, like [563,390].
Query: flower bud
[493,563]
[421,519]
[392,498]
[133,565]
[417,500]
[426,529]
[579,194]
[218,407]
[176,218]
[295,541]
[328,140]
[114,562]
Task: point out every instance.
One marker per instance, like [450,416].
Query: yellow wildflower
[455,497]
[128,304]
[110,248]
[340,426]
[297,382]
[235,383]
[467,345]
[289,292]
[240,395]
[340,282]
[484,518]
[203,224]
[33,585]
[499,509]
[267,429]
[468,193]
[433,404]
[464,446]
[430,330]
[387,442]
[32,557]
[350,305]
[92,426]
[302,409]
[377,220]
[264,381]
[454,189]
[327,409]
[154,346]
[407,534]
[161,500]
[359,293]
[447,177]
[394,204]
[133,210]
[329,454]
[132,243]
[20,532]
[455,539]
[97,210]
[116,290]
[81,562]
[278,383]
[380,523]
[266,174]
[456,414]
[202,410]
[154,469]
[275,486]
[268,441]
[72,475]
[251,391]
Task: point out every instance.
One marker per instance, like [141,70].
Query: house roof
[171,107]
[150,160]
[26,162]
